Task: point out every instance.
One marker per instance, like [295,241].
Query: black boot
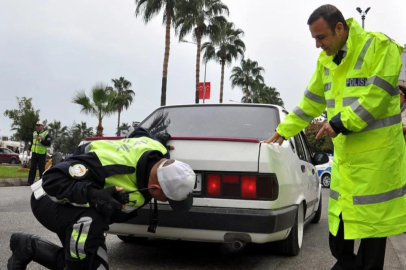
[28,247]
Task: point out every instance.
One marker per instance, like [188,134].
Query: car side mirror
[320,158]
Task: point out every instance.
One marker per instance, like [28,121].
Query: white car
[24,157]
[324,172]
[246,191]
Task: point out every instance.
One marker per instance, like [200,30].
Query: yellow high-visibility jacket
[37,146]
[368,184]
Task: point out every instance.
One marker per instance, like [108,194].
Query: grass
[13,172]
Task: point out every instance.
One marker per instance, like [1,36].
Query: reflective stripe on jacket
[368,183]
[37,146]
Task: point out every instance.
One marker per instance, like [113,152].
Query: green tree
[57,133]
[202,18]
[24,119]
[124,96]
[148,9]
[84,131]
[123,129]
[76,133]
[99,104]
[324,144]
[223,48]
[261,93]
[245,76]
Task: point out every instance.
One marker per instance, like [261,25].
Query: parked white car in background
[324,172]
[246,191]
[24,157]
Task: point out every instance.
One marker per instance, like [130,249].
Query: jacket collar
[356,34]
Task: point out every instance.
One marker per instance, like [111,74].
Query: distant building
[12,145]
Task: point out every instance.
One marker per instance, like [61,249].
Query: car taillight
[213,185]
[249,187]
[262,187]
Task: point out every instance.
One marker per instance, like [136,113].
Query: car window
[252,122]
[306,147]
[292,145]
[1,150]
[299,148]
[7,151]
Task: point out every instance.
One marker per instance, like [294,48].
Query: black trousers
[370,256]
[80,230]
[36,160]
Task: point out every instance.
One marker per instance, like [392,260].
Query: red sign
[207,93]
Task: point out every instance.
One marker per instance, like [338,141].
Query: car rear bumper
[221,219]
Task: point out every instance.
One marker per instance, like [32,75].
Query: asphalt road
[15,215]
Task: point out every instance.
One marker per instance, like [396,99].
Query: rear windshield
[251,122]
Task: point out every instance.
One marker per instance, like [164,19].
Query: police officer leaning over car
[102,183]
[356,79]
[41,140]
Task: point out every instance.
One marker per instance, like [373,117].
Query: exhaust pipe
[236,241]
[237,245]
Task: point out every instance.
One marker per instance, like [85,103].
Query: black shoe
[29,247]
[22,252]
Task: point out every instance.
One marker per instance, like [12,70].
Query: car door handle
[303,167]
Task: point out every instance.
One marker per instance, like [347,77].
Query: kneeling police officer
[102,183]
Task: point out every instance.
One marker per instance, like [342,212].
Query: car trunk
[217,154]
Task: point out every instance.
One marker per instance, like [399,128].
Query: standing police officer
[104,182]
[356,78]
[40,143]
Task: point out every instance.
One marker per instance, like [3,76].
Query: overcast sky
[51,49]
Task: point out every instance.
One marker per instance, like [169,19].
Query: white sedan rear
[246,191]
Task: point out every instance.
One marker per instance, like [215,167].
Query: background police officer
[356,78]
[94,188]
[39,146]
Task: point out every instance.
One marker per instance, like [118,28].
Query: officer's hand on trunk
[103,200]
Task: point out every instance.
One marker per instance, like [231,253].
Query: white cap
[177,181]
[39,123]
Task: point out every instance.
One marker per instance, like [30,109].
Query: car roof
[227,104]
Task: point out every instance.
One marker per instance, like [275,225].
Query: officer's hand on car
[104,200]
[276,137]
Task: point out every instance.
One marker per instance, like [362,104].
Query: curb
[13,182]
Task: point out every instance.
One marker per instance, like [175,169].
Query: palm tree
[261,93]
[122,86]
[56,130]
[100,103]
[83,130]
[246,75]
[223,48]
[150,8]
[273,97]
[202,17]
[124,127]
[57,133]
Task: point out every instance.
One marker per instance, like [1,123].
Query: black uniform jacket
[62,187]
